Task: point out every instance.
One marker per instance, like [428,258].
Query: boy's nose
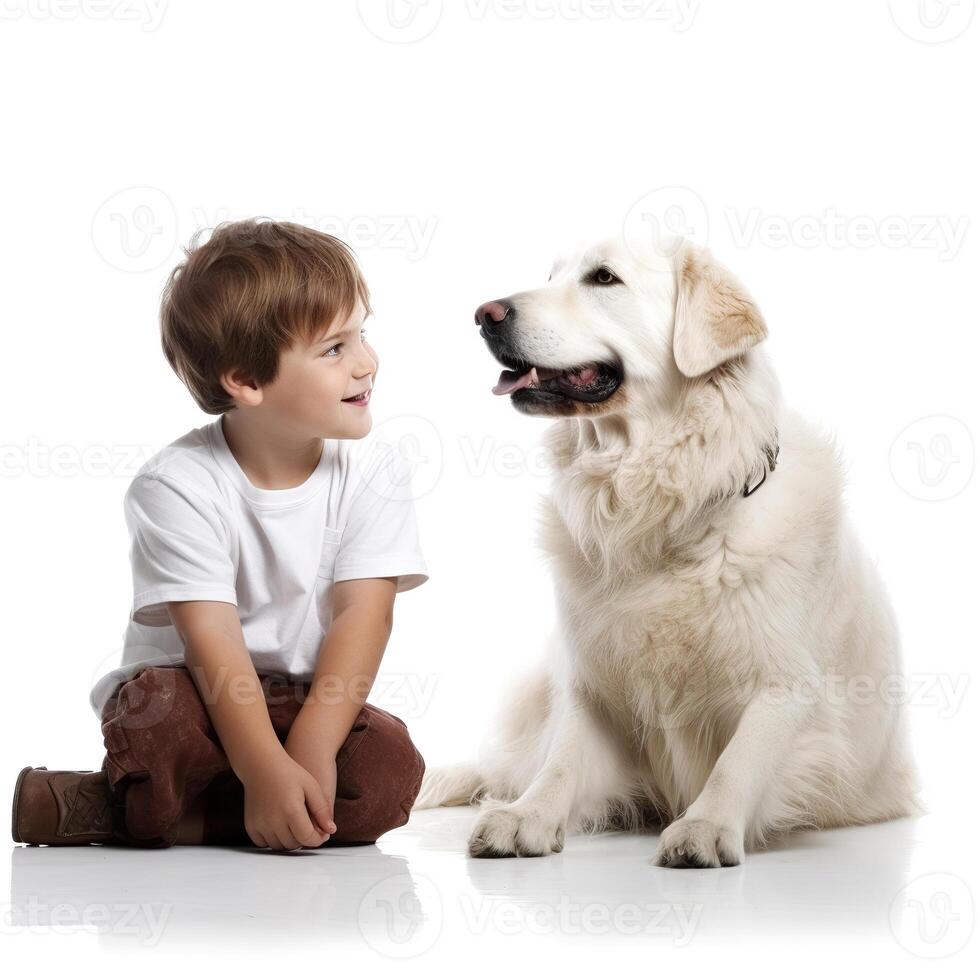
[490,316]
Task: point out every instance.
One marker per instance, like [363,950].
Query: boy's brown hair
[247,293]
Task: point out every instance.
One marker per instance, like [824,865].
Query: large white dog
[726,659]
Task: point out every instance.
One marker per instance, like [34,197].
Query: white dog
[726,658]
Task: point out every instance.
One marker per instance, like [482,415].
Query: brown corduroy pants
[162,754]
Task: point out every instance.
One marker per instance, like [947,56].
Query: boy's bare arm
[349,656]
[346,666]
[216,656]
[283,801]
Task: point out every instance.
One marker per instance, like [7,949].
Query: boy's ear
[240,386]
[714,318]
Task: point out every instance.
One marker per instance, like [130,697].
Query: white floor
[892,892]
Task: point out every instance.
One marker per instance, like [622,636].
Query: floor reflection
[400,896]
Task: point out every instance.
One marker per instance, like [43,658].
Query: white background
[825,151]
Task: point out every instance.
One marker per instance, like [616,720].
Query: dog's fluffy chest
[672,639]
[663,626]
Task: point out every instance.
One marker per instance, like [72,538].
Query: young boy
[267,549]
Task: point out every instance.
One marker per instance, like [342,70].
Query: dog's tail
[457,785]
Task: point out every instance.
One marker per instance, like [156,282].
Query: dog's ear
[714,318]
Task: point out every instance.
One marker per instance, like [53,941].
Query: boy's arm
[284,805]
[218,661]
[348,660]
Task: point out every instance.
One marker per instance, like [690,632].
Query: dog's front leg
[712,831]
[578,774]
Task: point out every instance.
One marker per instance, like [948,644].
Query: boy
[267,549]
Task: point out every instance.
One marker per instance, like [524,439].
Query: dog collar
[771,452]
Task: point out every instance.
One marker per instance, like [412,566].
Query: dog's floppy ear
[714,319]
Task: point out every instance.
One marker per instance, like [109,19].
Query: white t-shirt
[200,529]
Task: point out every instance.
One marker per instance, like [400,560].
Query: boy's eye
[336,347]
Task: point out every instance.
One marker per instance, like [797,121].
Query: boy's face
[316,388]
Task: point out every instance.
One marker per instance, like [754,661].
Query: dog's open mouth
[593,382]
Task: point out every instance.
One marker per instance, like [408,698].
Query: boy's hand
[285,808]
[309,745]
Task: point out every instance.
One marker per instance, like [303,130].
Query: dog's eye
[604,277]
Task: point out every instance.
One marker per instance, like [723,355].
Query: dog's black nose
[491,316]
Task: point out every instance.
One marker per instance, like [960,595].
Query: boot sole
[13,815]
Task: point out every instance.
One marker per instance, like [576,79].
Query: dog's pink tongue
[584,377]
[512,381]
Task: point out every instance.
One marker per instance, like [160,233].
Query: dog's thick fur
[722,663]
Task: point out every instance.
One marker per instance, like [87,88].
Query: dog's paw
[689,843]
[508,831]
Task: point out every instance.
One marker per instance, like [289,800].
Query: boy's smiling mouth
[362,399]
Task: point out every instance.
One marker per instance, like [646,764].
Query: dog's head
[618,324]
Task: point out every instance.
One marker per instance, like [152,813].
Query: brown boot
[62,807]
